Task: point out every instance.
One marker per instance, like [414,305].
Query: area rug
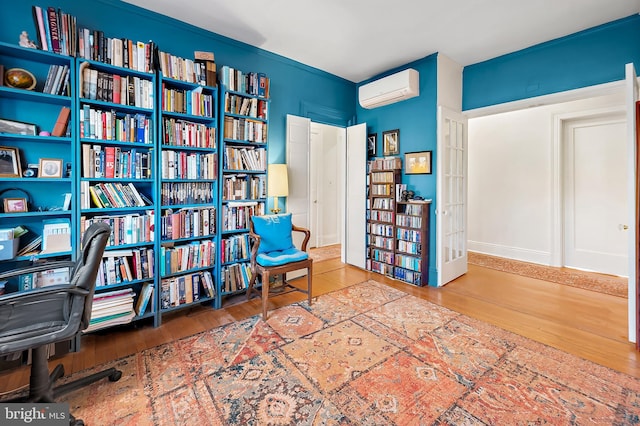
[364,355]
[607,284]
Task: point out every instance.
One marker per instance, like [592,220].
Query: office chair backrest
[86,268]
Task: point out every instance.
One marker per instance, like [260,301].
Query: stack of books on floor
[111,308]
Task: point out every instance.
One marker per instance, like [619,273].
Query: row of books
[245,129]
[126,228]
[185,69]
[253,83]
[382,177]
[186,289]
[378,189]
[380,229]
[185,133]
[116,195]
[408,262]
[385,163]
[235,216]
[382,203]
[187,223]
[124,90]
[189,165]
[56,30]
[234,248]
[111,308]
[125,265]
[242,105]
[192,102]
[243,187]
[379,241]
[115,162]
[382,216]
[120,52]
[235,277]
[250,158]
[409,247]
[408,235]
[113,126]
[173,193]
[411,277]
[380,267]
[144,297]
[198,254]
[382,256]
[409,221]
[57,82]
[54,276]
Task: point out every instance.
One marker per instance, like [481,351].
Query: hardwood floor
[584,323]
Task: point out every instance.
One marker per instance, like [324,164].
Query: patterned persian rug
[325,253]
[607,284]
[364,355]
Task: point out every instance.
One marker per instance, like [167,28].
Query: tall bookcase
[244,100]
[32,198]
[383,177]
[116,162]
[412,242]
[188,187]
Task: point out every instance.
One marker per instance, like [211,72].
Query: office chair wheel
[115,376]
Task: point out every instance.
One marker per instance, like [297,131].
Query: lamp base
[275,211]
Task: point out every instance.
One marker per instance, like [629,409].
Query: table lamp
[277,184]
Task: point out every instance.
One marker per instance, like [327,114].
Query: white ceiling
[357,39]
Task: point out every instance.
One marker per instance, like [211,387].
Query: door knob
[623,227]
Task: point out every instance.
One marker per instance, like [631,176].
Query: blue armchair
[273,253]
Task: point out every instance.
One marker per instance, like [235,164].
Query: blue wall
[590,57]
[416,118]
[295,88]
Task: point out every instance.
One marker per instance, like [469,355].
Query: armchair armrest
[307,235]
[254,247]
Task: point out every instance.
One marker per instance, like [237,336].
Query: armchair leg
[265,293]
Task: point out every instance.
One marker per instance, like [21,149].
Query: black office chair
[35,319]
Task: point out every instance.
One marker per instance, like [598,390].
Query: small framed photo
[372,140]
[417,163]
[17,127]
[391,142]
[15,205]
[10,162]
[50,168]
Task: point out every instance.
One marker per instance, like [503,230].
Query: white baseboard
[515,253]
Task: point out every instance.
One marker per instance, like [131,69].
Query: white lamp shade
[277,180]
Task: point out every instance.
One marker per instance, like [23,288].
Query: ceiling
[358,39]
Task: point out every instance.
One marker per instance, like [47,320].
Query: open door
[355,201]
[634,211]
[451,196]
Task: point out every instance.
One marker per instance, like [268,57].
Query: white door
[315,180]
[354,231]
[298,170]
[595,194]
[451,208]
[632,188]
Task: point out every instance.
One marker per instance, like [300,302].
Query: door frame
[560,121]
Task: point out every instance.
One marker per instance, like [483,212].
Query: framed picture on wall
[417,163]
[372,140]
[391,142]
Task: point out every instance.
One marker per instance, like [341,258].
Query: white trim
[516,253]
[552,98]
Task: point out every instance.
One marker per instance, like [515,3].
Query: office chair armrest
[307,235]
[36,268]
[39,292]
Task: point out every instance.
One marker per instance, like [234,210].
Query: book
[54,29]
[60,128]
[143,298]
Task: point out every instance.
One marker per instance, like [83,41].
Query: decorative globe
[20,79]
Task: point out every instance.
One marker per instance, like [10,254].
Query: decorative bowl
[19,78]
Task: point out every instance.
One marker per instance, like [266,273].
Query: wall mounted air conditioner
[387,90]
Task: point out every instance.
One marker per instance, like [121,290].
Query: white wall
[510,180]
